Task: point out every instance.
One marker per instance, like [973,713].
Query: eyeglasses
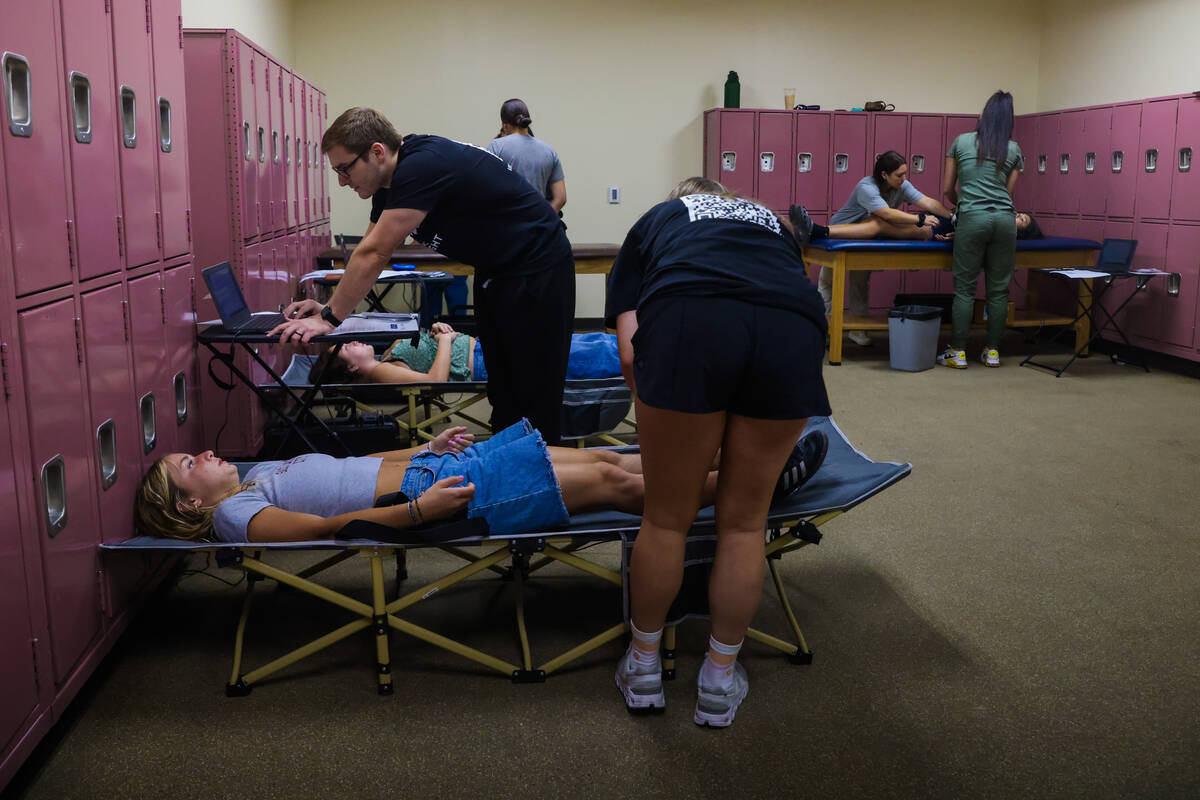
[344,169]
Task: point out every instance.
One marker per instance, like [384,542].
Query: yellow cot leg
[382,651]
[668,654]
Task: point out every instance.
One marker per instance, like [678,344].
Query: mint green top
[420,358]
[982,187]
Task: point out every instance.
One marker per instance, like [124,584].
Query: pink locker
[888,132]
[926,157]
[303,153]
[1155,157]
[179,299]
[1046,165]
[278,165]
[115,435]
[252,135]
[291,149]
[1143,315]
[1179,309]
[92,138]
[323,164]
[137,113]
[59,446]
[1025,135]
[1122,161]
[152,380]
[262,112]
[1096,167]
[811,185]
[314,157]
[729,153]
[34,178]
[171,113]
[19,689]
[775,139]
[1068,162]
[958,124]
[1185,189]
[849,164]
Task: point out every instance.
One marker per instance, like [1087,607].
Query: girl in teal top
[982,168]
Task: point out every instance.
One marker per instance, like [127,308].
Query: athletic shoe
[643,689]
[953,358]
[990,357]
[802,224]
[861,338]
[716,707]
[802,464]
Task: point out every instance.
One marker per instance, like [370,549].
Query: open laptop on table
[231,303]
[1115,256]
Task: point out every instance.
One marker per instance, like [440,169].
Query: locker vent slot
[128,117]
[918,164]
[1064,163]
[1185,159]
[181,406]
[81,107]
[246,140]
[1089,163]
[804,162]
[1041,165]
[149,435]
[1152,160]
[1173,284]
[106,449]
[18,94]
[728,161]
[54,494]
[164,124]
[1118,160]
[766,162]
[841,162]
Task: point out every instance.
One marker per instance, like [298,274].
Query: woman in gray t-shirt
[529,157]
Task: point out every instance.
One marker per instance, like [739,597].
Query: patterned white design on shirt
[711,206]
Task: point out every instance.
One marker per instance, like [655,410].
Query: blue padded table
[843,255]
[846,479]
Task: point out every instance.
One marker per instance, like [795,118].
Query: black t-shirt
[706,245]
[478,211]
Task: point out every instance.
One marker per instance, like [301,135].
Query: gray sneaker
[715,707]
[643,691]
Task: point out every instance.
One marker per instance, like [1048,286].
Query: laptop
[231,303]
[1115,256]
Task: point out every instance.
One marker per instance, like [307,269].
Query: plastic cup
[789,99]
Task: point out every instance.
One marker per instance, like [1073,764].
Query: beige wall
[268,23]
[1104,51]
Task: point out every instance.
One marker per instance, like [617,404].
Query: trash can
[913,336]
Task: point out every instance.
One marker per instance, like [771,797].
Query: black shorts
[704,354]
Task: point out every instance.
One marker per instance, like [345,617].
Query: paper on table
[369,322]
[1080,273]
[384,275]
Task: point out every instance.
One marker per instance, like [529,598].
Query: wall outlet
[614,194]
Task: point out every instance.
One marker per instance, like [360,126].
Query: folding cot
[592,409]
[847,478]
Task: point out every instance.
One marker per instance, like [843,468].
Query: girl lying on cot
[443,354]
[513,480]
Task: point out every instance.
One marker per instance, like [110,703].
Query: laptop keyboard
[261,322]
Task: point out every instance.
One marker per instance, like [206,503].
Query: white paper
[1080,273]
[375,322]
[386,274]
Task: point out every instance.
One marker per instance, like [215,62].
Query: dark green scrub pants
[987,241]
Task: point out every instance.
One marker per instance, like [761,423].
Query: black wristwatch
[328,316]
[920,223]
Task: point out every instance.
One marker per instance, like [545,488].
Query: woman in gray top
[529,157]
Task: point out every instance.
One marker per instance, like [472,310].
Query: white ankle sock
[644,649]
[719,675]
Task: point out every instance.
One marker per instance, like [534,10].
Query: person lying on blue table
[444,354]
[513,480]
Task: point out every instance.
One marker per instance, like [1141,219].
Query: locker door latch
[728,161]
[766,162]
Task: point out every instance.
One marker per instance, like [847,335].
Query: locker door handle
[164,124]
[81,106]
[841,162]
[1089,163]
[1041,165]
[1185,159]
[728,161]
[1118,160]
[181,406]
[18,94]
[128,117]
[1152,160]
[246,139]
[106,452]
[918,164]
[1064,163]
[274,147]
[287,149]
[804,162]
[1174,281]
[262,144]
[766,162]
[147,409]
[54,494]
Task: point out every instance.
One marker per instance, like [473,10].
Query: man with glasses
[463,201]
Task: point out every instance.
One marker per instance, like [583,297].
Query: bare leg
[867,229]
[599,486]
[630,462]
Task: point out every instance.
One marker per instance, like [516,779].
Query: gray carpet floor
[1018,618]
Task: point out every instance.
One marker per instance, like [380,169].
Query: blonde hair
[698,185]
[160,508]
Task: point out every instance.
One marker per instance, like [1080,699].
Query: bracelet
[411,515]
[417,503]
[921,219]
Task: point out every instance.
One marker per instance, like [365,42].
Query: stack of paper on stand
[385,275]
[377,322]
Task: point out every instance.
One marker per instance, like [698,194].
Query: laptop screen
[1116,254]
[226,294]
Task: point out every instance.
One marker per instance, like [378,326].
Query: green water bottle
[733,91]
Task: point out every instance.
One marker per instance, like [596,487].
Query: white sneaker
[990,357]
[716,707]
[641,686]
[861,338]
[955,358]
